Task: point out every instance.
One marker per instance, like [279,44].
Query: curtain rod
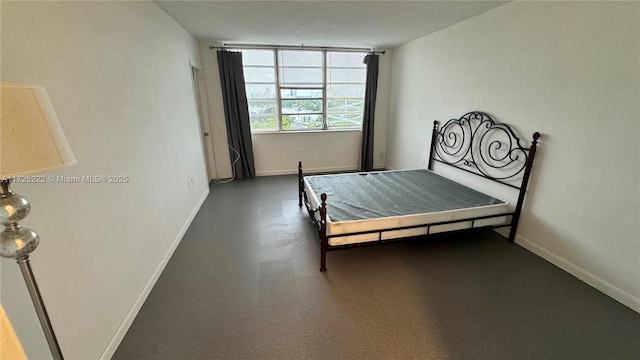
[294,47]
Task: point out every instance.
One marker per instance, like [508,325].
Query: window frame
[324,88]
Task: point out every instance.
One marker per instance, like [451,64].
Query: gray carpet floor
[244,284]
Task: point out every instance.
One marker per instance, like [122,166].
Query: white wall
[279,153]
[569,70]
[119,78]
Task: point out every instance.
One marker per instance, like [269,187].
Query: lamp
[31,142]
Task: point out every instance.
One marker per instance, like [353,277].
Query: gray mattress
[374,195]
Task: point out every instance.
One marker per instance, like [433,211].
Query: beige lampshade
[10,347]
[31,137]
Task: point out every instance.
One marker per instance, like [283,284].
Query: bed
[378,206]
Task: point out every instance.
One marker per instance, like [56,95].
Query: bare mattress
[374,204]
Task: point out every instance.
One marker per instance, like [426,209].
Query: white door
[205,131]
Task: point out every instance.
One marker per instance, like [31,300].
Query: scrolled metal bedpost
[434,138]
[324,242]
[300,183]
[523,187]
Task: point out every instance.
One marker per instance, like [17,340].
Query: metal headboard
[478,144]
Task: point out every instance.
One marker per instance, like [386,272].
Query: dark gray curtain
[366,157]
[236,112]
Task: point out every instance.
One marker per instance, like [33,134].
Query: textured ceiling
[378,24]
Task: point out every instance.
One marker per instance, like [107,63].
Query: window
[304,90]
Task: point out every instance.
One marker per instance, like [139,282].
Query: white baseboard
[595,281]
[117,337]
[307,170]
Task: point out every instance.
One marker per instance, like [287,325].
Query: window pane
[300,58]
[257,57]
[300,93]
[264,123]
[301,122]
[345,105]
[267,107]
[261,91]
[252,74]
[344,59]
[344,121]
[345,91]
[347,76]
[301,76]
[301,106]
